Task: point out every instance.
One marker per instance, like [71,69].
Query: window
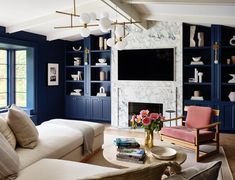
[3,78]
[20,78]
[17,77]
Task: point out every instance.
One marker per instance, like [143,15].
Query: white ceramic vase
[232,96]
[192,42]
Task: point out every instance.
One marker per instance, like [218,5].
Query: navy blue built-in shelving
[88,105]
[215,87]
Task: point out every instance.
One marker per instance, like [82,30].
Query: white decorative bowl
[77,90]
[163,152]
[77,58]
[74,76]
[196,59]
[102,60]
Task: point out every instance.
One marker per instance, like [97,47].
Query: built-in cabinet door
[227,117]
[77,107]
[96,108]
[101,108]
[106,104]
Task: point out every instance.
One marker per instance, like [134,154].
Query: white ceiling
[39,16]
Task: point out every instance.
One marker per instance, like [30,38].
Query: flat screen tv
[146,64]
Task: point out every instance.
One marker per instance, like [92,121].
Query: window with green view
[17,77]
[21,78]
[3,78]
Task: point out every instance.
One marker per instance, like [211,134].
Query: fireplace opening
[136,107]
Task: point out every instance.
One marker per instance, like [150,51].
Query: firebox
[136,107]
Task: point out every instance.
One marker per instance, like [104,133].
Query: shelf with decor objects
[94,82]
[227,58]
[100,63]
[74,69]
[217,87]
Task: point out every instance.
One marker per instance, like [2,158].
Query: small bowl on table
[163,153]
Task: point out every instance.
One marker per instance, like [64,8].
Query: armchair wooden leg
[197,153]
[197,146]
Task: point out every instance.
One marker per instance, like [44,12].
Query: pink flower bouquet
[152,121]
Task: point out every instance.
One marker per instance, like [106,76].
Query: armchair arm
[209,126]
[216,125]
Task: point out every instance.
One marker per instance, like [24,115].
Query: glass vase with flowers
[148,121]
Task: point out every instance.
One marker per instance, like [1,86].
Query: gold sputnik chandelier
[104,23]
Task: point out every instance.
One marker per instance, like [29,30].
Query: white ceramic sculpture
[101,92]
[196,75]
[200,37]
[79,75]
[233,78]
[192,42]
[200,74]
[232,41]
[232,96]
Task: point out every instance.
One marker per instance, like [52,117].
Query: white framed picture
[53,74]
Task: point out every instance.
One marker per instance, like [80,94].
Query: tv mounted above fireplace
[146,64]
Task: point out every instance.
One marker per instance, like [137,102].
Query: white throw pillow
[24,129]
[7,132]
[9,160]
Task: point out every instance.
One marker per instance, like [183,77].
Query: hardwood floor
[226,140]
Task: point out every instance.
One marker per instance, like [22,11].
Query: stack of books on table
[128,150]
[126,143]
[136,155]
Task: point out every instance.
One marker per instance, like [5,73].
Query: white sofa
[60,141]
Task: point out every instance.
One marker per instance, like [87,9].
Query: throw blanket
[86,130]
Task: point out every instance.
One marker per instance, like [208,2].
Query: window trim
[7,43]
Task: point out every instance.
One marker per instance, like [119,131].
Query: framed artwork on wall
[52,74]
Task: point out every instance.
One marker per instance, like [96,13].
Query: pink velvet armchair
[195,131]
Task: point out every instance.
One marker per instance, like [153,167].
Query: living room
[104,61]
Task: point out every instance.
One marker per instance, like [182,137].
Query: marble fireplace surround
[169,93]
[142,94]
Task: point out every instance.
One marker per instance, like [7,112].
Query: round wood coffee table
[110,151]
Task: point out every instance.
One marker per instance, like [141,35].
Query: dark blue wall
[49,99]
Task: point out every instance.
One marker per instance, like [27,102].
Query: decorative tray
[164,153]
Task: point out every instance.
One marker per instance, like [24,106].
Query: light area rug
[225,172]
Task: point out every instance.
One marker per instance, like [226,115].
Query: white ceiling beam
[31,23]
[62,34]
[223,20]
[201,2]
[66,33]
[35,22]
[127,11]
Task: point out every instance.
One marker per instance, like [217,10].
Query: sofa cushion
[97,127]
[23,127]
[187,134]
[88,130]
[7,132]
[9,160]
[55,141]
[198,116]
[150,172]
[50,169]
[198,172]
